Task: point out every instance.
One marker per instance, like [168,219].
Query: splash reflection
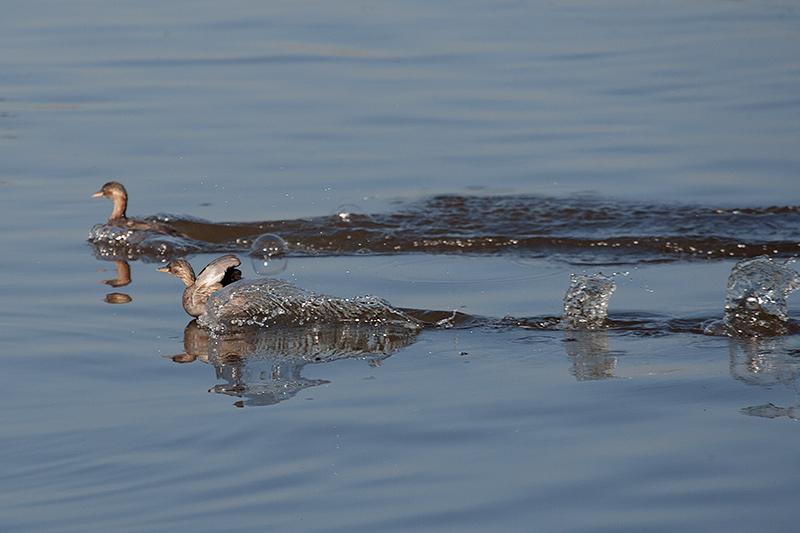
[590,355]
[123,278]
[767,363]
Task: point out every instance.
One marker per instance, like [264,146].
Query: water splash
[273,302]
[586,301]
[755,304]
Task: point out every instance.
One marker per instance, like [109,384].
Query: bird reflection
[266,368]
[123,278]
[117,298]
[123,275]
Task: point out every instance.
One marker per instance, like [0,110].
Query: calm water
[451,126]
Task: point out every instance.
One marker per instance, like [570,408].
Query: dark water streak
[576,230]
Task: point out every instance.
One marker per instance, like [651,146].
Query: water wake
[577,230]
[755,307]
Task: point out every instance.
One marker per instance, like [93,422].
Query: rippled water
[463,161]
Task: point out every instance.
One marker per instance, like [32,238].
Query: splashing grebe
[219,273]
[222,301]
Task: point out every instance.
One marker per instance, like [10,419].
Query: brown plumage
[220,272]
[115,192]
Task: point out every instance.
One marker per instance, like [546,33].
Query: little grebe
[219,273]
[115,192]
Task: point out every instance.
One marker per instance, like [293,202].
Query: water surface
[482,151]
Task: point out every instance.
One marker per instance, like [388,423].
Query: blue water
[250,112]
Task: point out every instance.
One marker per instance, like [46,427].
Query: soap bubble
[269,267]
[267,245]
